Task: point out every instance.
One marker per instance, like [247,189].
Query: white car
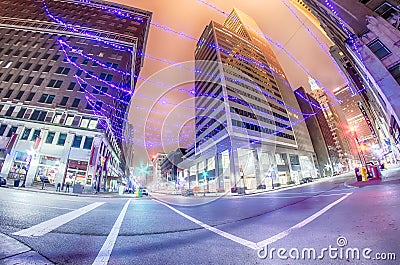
[145,192]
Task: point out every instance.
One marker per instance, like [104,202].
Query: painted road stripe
[43,206]
[283,234]
[236,239]
[106,249]
[299,196]
[49,225]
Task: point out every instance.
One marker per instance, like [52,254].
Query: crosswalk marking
[267,241]
[49,225]
[106,249]
[283,234]
[234,238]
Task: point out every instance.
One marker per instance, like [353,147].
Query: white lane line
[298,196]
[236,239]
[283,234]
[106,249]
[49,225]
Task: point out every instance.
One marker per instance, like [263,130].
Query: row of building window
[32,134]
[259,118]
[58,118]
[49,98]
[258,128]
[256,107]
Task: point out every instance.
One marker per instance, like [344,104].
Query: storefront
[20,165]
[48,169]
[76,173]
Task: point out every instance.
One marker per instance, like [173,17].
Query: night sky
[162,107]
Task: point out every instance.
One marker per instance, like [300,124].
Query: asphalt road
[331,218]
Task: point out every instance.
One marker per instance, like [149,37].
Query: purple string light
[183,35]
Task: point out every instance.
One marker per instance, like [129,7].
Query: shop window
[61,139]
[88,143]
[77,141]
[47,169]
[50,137]
[25,134]
[35,135]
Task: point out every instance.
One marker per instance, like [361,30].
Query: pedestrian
[67,187]
[58,186]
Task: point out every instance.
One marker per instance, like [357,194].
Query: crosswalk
[49,225]
[103,256]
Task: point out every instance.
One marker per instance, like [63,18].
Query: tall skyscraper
[321,136]
[68,70]
[245,133]
[366,36]
[338,127]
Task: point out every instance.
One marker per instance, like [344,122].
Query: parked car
[306,180]
[145,192]
[3,181]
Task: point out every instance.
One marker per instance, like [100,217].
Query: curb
[97,195]
[13,252]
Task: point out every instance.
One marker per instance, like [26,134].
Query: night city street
[199,132]
[171,229]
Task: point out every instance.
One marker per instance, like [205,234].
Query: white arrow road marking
[236,239]
[283,234]
[106,249]
[49,225]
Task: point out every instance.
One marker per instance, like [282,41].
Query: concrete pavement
[14,252]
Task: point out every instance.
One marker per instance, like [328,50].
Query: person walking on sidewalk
[58,186]
[67,187]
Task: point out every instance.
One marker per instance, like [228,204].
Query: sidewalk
[52,190]
[248,192]
[14,252]
[390,175]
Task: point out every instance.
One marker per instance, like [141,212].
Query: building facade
[320,132]
[245,133]
[366,36]
[66,82]
[157,181]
